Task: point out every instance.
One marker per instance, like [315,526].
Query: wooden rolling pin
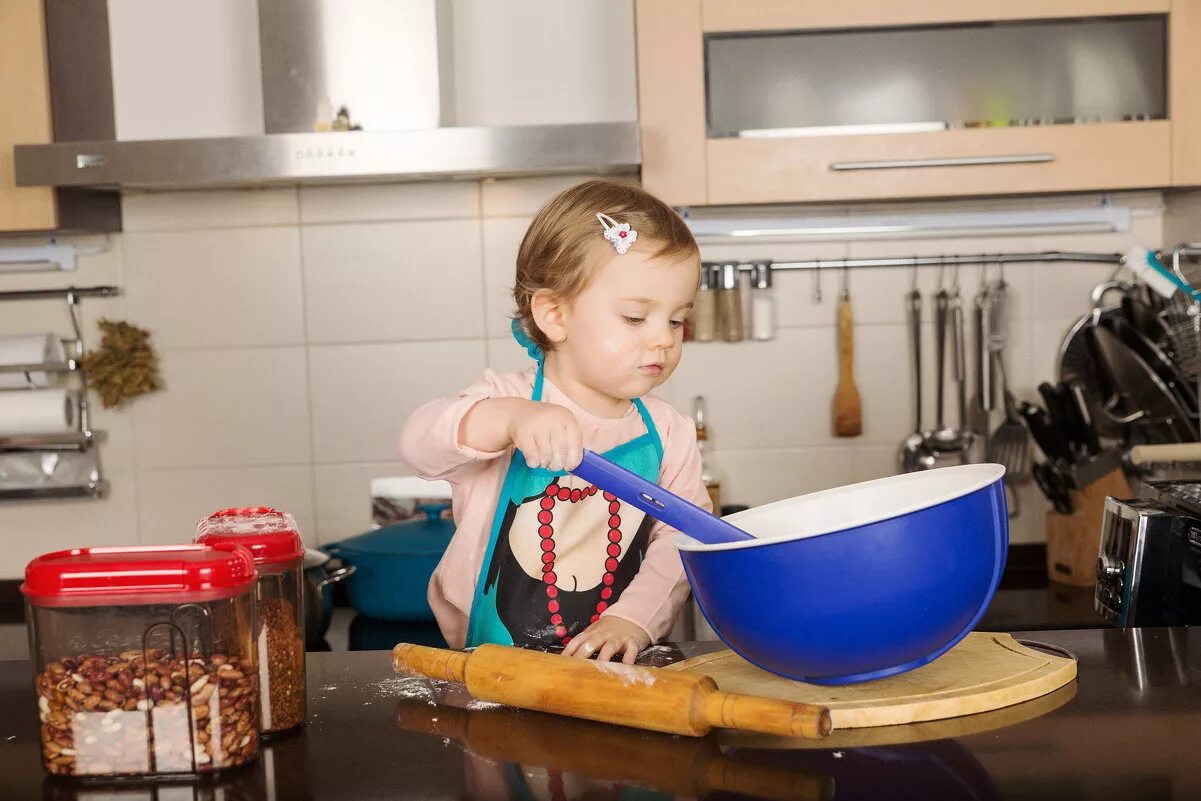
[688,767]
[1173,452]
[609,692]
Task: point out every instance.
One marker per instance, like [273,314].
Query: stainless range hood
[388,64]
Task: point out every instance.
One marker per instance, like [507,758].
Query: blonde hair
[555,251]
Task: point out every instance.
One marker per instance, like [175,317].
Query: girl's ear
[550,315]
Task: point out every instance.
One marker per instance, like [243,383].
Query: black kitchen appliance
[1149,565]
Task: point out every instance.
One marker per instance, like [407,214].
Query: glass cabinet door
[930,78]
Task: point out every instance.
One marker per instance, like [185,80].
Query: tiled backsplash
[299,328]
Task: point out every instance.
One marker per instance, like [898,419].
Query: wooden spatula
[848,415]
[645,698]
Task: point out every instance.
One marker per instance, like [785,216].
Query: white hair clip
[621,235]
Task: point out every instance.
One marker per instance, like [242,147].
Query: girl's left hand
[606,637]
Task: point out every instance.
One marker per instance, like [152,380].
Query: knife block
[1073,541]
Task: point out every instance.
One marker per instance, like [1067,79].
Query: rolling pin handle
[436,663]
[767,715]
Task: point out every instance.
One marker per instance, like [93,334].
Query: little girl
[606,275]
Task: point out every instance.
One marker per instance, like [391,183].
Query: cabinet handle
[966,161]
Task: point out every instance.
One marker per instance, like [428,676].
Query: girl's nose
[662,337]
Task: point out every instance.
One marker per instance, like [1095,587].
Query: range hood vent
[389,64]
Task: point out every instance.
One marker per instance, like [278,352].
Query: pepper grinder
[729,304]
[704,308]
[763,303]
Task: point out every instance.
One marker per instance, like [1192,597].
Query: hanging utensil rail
[941,261]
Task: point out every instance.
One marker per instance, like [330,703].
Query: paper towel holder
[82,440]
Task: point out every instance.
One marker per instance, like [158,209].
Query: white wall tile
[506,356]
[172,501]
[30,529]
[393,281]
[774,394]
[378,202]
[236,407]
[343,496]
[756,477]
[216,288]
[502,238]
[117,448]
[362,394]
[523,197]
[211,208]
[874,461]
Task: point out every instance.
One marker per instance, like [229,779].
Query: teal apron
[548,523]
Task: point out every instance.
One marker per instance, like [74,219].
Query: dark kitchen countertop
[1126,729]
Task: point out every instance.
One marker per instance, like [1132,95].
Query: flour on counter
[412,687]
[476,705]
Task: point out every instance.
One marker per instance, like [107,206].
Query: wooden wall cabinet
[30,113]
[690,159]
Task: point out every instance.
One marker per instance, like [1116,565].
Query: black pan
[1157,359]
[1139,389]
[1076,361]
[1146,320]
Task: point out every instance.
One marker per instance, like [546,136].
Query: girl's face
[622,335]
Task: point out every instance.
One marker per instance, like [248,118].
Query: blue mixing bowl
[859,582]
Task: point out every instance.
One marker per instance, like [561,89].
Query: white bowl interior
[854,505]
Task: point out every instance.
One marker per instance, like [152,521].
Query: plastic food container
[272,538]
[144,658]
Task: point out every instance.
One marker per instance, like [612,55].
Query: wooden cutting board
[985,671]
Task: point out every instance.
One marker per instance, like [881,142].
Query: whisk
[1184,315]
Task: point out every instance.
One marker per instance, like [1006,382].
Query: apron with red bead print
[561,550]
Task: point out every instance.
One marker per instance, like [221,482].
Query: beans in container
[273,540]
[145,660]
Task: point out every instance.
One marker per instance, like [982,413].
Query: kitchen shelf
[83,439]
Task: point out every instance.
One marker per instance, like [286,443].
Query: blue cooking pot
[859,582]
[393,565]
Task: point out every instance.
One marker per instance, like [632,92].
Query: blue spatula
[658,502]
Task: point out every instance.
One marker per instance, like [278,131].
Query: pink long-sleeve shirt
[430,446]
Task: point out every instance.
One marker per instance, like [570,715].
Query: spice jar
[704,308]
[729,304]
[763,304]
[145,659]
[272,538]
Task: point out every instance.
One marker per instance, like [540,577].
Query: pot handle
[336,576]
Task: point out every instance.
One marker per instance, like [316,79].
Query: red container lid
[269,534]
[145,574]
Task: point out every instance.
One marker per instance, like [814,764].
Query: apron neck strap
[643,412]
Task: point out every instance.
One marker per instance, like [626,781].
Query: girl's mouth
[651,369]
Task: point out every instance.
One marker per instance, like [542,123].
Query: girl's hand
[608,636]
[548,435]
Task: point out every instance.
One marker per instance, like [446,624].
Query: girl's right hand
[548,435]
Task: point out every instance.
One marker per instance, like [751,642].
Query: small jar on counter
[704,308]
[763,302]
[144,659]
[729,304]
[272,538]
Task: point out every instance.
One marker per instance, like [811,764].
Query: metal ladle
[948,311]
[915,455]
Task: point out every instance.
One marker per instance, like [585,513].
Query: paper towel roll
[37,411]
[30,349]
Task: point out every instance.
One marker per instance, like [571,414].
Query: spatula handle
[657,502]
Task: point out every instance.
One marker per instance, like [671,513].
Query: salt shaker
[729,304]
[704,308]
[763,302]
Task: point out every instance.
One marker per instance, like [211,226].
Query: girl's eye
[677,323]
[633,320]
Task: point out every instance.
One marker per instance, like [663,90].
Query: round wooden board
[985,671]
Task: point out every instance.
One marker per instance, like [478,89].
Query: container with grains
[144,659]
[272,538]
